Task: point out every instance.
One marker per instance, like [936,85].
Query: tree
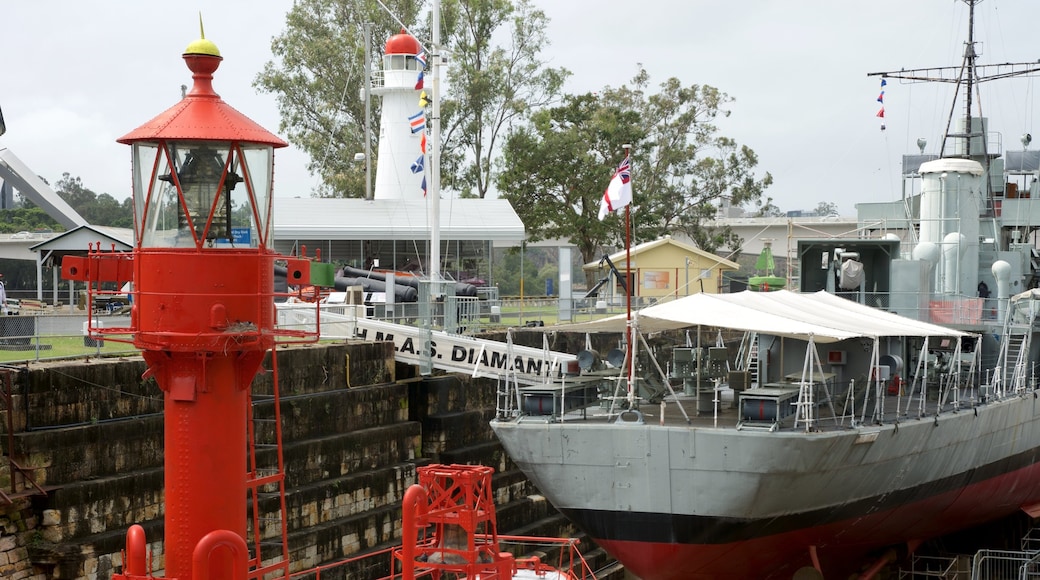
[826,209]
[26,217]
[492,87]
[507,272]
[321,72]
[555,169]
[99,210]
[768,209]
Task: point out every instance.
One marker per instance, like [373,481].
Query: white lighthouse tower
[399,146]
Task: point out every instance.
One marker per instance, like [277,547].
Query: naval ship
[888,398]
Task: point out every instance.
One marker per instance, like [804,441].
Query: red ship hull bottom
[842,547]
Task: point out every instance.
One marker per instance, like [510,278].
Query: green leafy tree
[99,210]
[26,217]
[491,86]
[556,169]
[768,209]
[508,274]
[826,209]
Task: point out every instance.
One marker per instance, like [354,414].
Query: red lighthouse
[203,311]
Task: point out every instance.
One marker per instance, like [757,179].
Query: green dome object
[766,283]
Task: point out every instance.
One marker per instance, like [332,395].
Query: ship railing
[1031,569]
[1031,541]
[932,567]
[956,310]
[990,564]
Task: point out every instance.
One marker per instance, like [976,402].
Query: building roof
[78,240]
[619,257]
[393,219]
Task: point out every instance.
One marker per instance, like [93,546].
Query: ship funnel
[951,194]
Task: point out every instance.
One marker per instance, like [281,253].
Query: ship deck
[770,407]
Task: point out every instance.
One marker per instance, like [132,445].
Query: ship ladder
[268,535]
[1012,359]
[507,402]
[747,356]
[1021,373]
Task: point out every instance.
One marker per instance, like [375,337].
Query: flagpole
[433,198]
[630,285]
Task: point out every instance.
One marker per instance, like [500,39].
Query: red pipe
[887,558]
[136,552]
[413,507]
[202,556]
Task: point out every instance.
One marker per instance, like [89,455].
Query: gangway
[447,352]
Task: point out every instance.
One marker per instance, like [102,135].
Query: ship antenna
[969,74]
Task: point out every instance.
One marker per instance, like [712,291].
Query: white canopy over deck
[823,316]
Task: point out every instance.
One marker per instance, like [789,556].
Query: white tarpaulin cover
[825,317]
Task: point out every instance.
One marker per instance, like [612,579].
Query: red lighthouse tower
[203,311]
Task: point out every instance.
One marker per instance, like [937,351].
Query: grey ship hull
[702,502]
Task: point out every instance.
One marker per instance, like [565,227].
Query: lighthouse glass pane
[258,167]
[399,62]
[143,164]
[162,214]
[192,202]
[232,225]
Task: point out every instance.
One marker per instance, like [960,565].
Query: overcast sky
[78,74]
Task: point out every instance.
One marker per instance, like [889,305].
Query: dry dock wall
[355,427]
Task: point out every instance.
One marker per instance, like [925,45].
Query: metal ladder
[265,482]
[747,357]
[1012,360]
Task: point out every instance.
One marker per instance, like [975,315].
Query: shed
[667,268]
[77,242]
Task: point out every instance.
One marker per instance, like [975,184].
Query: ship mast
[969,74]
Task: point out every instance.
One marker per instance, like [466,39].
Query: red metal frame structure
[203,313]
[448,526]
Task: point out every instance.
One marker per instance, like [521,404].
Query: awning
[823,316]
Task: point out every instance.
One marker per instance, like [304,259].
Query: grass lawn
[62,347]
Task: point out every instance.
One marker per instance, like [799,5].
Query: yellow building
[664,268]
